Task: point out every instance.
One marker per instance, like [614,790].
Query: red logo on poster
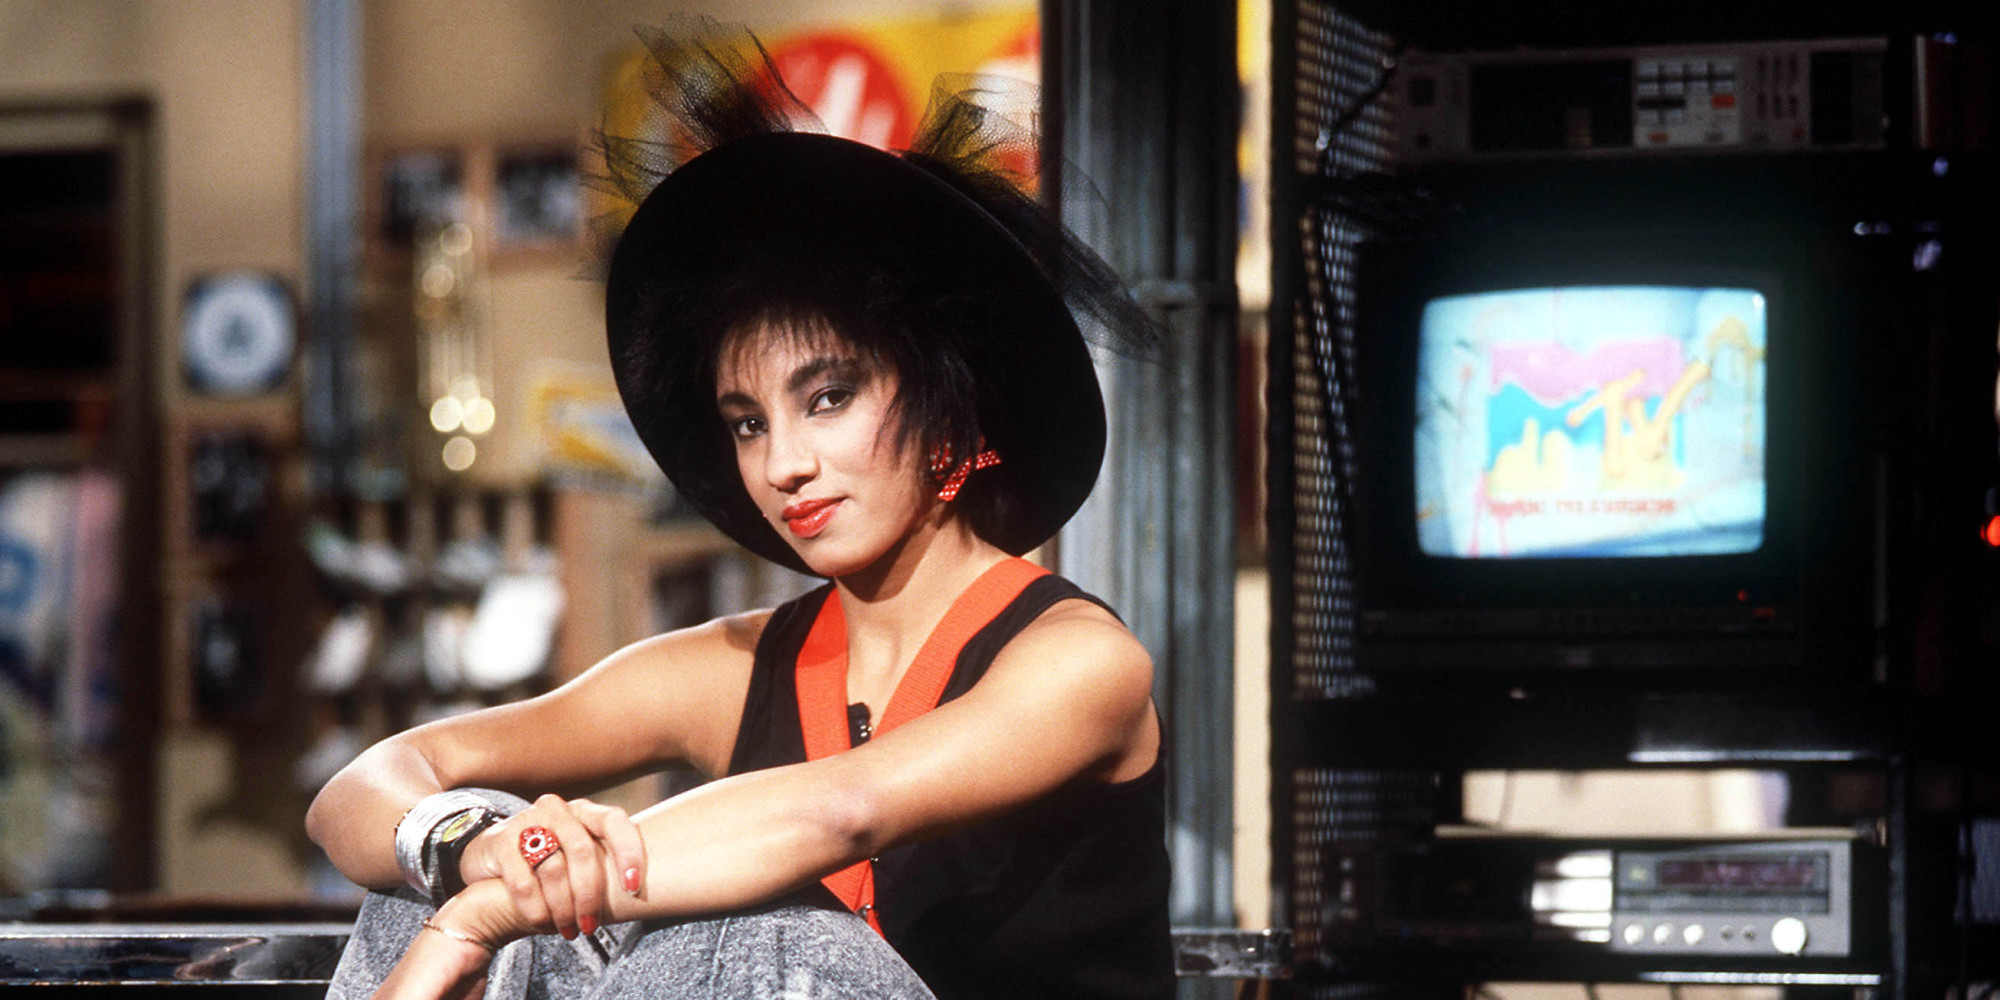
[851,88]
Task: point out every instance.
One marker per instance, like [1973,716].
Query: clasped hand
[569,892]
[505,898]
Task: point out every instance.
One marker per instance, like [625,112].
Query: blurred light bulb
[479,415]
[447,414]
[438,280]
[459,453]
[455,239]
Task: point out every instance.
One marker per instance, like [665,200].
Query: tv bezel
[1405,595]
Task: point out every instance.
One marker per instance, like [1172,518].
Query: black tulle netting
[711,84]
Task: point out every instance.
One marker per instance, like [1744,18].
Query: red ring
[537,843]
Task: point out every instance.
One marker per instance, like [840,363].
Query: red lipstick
[809,517]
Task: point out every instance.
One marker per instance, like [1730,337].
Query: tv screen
[1591,421]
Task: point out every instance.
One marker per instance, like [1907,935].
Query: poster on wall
[582,432]
[866,80]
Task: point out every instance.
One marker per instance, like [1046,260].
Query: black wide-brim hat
[739,195]
[817,198]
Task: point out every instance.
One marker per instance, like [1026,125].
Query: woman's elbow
[357,792]
[850,816]
[314,831]
[319,815]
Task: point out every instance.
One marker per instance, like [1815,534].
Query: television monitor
[1613,450]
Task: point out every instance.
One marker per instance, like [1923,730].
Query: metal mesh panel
[1340,64]
[1322,615]
[1335,808]
[1340,131]
[1341,143]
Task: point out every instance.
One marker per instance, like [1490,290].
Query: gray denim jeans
[784,951]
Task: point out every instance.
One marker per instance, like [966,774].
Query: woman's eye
[746,427]
[830,399]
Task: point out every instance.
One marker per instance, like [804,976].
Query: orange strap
[821,677]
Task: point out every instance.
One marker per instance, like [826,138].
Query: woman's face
[818,447]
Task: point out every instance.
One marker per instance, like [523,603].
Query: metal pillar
[1143,100]
[333,239]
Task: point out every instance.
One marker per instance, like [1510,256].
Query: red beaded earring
[941,464]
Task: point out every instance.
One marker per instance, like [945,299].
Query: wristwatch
[447,844]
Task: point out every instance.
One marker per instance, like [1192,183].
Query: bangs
[803,331]
[860,310]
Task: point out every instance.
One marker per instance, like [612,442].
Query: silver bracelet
[457,935]
[413,833]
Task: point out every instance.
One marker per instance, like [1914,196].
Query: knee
[383,909]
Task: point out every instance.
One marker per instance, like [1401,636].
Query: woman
[860,366]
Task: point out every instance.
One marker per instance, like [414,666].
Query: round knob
[1788,935]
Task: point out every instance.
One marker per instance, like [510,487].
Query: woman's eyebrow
[806,374]
[802,378]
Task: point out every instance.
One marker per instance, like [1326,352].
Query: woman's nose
[788,461]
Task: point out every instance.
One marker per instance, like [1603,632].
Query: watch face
[238,333]
[457,826]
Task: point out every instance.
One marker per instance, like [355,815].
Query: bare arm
[1067,700]
[672,697]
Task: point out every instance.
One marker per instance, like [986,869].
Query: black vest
[1065,897]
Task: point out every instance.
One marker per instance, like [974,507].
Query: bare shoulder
[1078,662]
[1085,650]
[1075,620]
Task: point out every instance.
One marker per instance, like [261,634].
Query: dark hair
[888,310]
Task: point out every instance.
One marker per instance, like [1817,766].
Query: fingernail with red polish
[569,933]
[587,924]
[632,881]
